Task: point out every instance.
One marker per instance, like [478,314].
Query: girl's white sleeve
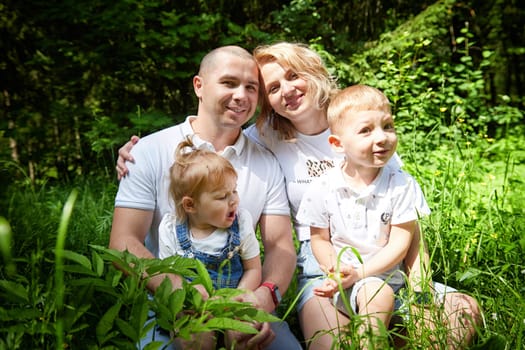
[167,237]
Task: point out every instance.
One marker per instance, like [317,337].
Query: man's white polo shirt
[260,182]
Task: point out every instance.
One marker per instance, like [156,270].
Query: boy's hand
[349,276]
[346,276]
[327,290]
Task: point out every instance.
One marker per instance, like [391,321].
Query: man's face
[228,91]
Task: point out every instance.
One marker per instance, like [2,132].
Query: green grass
[59,289]
[475,231]
[474,234]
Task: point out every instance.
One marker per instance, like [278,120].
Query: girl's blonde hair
[308,65]
[194,172]
[356,98]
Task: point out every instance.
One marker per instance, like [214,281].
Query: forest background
[78,78]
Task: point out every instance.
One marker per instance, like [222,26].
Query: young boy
[362,203]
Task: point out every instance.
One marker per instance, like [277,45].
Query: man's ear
[197,86]
[335,143]
[188,204]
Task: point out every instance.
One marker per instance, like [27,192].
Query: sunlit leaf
[227,323]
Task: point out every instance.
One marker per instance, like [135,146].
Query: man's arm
[128,232]
[279,256]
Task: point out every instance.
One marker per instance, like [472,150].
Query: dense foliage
[79,77]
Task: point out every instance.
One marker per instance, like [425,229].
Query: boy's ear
[335,143]
[188,204]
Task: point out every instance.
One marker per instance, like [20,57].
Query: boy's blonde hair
[356,98]
[194,172]
[309,66]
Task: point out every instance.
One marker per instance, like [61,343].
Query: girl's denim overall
[226,268]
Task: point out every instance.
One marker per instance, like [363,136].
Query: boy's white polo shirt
[362,219]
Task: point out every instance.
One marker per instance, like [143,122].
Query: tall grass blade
[5,246]
[59,265]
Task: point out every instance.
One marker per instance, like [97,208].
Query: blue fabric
[309,275]
[228,276]
[226,268]
[284,338]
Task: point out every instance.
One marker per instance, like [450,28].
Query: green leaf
[154,345]
[219,323]
[196,300]
[140,310]
[94,282]
[15,291]
[255,315]
[79,269]
[176,264]
[469,274]
[204,277]
[127,329]
[76,257]
[18,314]
[115,278]
[98,263]
[176,301]
[146,329]
[228,293]
[73,315]
[106,322]
[5,240]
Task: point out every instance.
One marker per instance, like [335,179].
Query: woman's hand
[124,156]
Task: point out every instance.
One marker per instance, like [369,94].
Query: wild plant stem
[59,265]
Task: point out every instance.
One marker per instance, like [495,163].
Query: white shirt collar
[378,187]
[236,148]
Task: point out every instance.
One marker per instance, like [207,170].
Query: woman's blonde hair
[308,65]
[356,98]
[194,172]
